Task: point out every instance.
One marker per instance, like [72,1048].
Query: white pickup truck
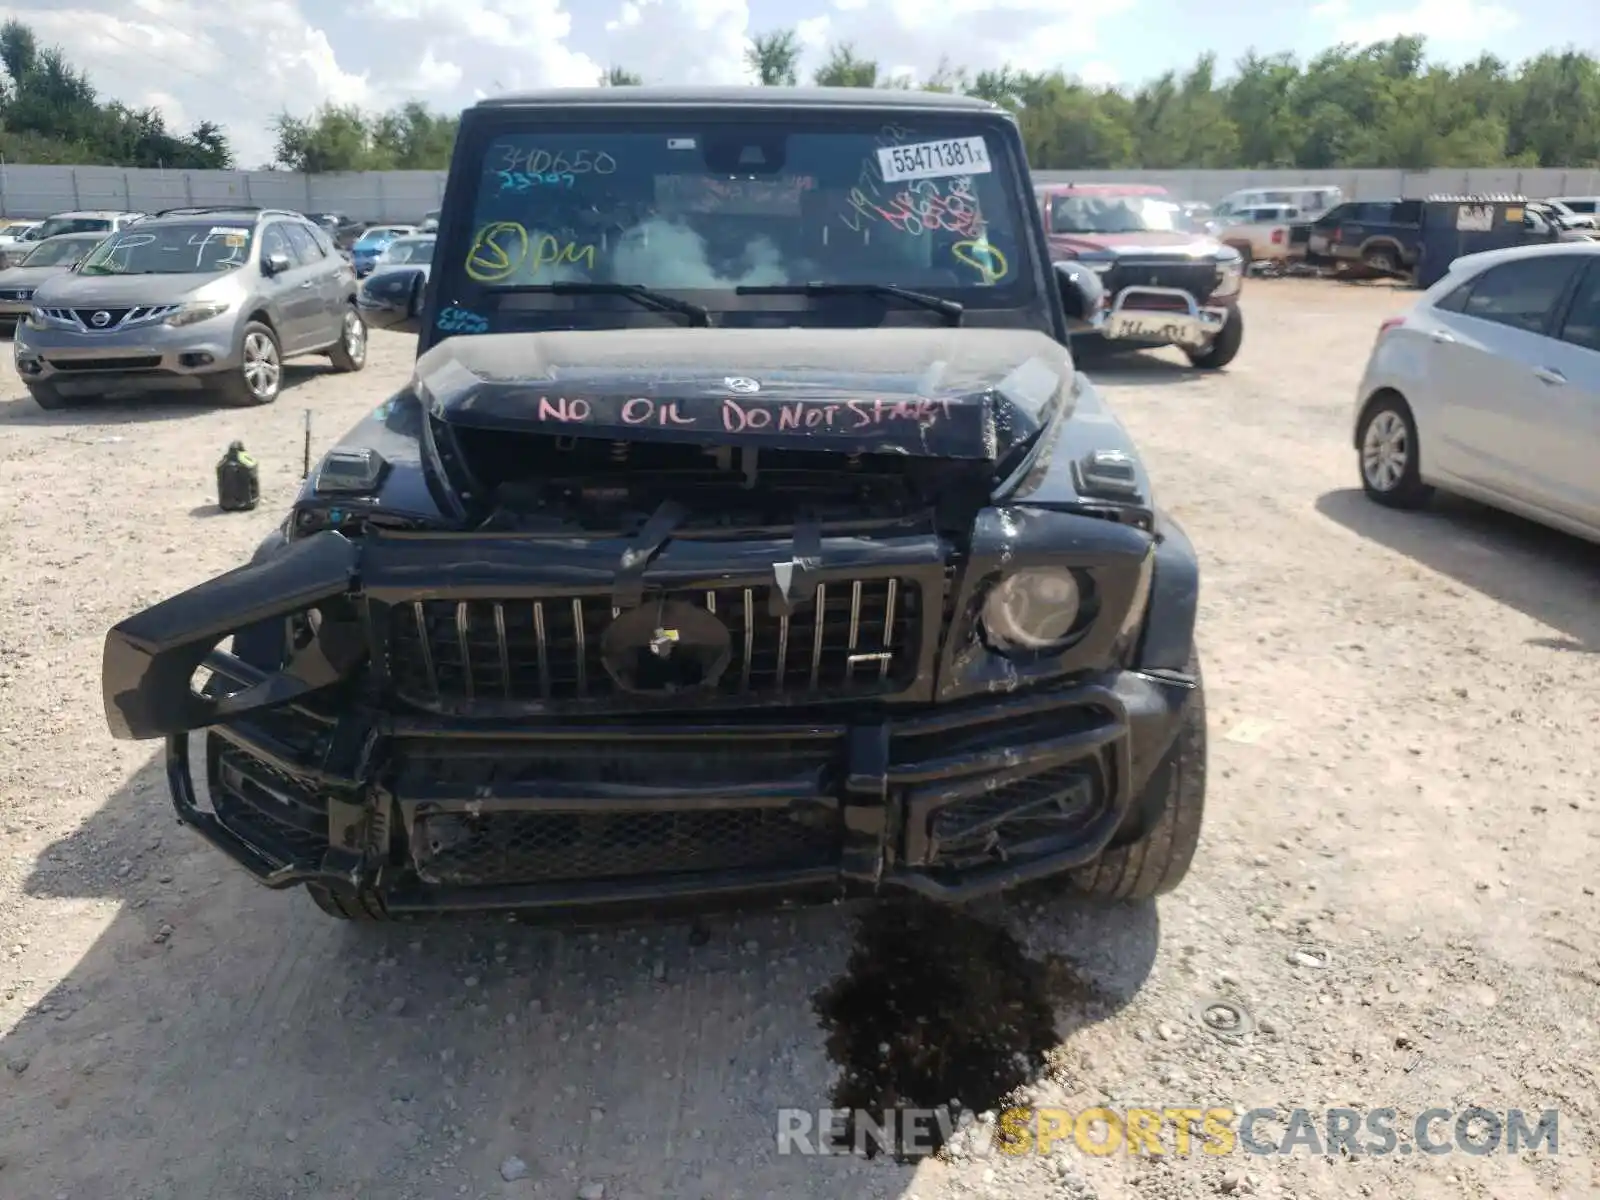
[1260,234]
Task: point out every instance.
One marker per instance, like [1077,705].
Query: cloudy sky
[239,64]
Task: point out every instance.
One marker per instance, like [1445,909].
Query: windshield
[376,237]
[1112,214]
[409,250]
[59,251]
[185,249]
[57,225]
[713,205]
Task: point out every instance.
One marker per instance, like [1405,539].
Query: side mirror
[1082,292]
[276,264]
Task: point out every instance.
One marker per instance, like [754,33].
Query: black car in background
[344,230]
[1385,236]
[391,296]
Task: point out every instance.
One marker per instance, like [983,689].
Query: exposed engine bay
[603,486]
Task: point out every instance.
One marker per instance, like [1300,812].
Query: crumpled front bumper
[311,775]
[438,814]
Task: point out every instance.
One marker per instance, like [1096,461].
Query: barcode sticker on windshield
[934,160]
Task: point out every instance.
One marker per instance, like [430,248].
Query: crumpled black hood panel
[934,393]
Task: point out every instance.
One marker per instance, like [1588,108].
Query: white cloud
[1446,23]
[681,41]
[169,106]
[238,66]
[1031,35]
[242,65]
[434,75]
[1099,74]
[507,45]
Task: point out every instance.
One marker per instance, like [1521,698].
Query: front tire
[350,354]
[1390,456]
[258,378]
[47,397]
[363,907]
[1157,862]
[1224,348]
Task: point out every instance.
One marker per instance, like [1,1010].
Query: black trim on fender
[1169,621]
[151,658]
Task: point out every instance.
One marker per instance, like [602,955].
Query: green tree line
[49,113]
[1380,105]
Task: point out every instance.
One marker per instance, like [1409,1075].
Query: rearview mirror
[276,264]
[1082,292]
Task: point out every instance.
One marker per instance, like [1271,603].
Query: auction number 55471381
[934,160]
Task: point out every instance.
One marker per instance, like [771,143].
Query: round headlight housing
[1033,610]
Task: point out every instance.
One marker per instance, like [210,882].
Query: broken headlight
[1033,610]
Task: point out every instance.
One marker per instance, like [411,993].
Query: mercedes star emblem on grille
[662,642]
[100,320]
[670,648]
[741,386]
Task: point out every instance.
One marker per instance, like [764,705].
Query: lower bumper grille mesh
[265,807]
[548,847]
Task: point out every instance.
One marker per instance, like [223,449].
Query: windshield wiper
[949,309]
[649,297]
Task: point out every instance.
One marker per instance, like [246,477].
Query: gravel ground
[1396,880]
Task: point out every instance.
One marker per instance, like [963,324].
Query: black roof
[743,96]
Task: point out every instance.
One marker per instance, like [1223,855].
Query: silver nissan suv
[213,298]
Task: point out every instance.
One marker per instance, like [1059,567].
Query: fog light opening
[196,358]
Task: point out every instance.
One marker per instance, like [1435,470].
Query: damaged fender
[151,658]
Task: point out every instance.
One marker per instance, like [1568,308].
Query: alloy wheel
[355,336]
[262,370]
[1385,450]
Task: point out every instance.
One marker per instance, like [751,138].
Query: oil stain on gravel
[935,1007]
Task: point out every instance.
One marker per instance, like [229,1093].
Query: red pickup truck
[1153,282]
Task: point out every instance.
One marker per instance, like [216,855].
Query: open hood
[963,393]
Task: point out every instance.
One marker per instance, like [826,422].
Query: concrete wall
[36,191]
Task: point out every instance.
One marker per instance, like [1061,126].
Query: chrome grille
[852,637]
[116,318]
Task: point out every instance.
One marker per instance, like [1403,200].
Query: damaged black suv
[743,533]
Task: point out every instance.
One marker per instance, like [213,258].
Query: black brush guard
[950,802]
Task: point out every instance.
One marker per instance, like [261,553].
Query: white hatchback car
[1490,387]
